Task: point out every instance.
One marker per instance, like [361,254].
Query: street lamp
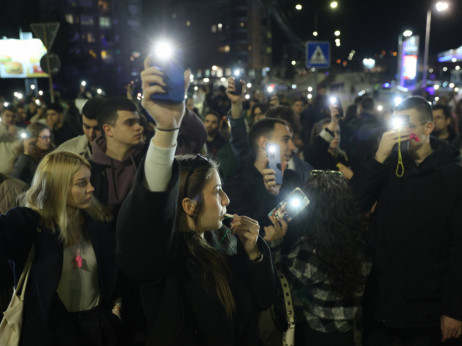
[334,4]
[440,6]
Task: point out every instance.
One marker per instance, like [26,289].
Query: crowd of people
[151,223]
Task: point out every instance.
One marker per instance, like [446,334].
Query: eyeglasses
[45,137]
[315,172]
[191,170]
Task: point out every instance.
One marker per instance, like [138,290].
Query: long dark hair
[197,171]
[336,230]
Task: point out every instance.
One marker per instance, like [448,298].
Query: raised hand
[166,115]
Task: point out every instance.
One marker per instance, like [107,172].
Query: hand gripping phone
[274,160]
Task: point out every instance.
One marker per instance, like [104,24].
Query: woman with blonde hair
[38,143]
[70,292]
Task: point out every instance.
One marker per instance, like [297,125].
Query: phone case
[173,70]
[291,206]
[275,161]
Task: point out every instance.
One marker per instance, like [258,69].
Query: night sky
[369,26]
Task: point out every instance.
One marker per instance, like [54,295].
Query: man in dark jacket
[415,288]
[253,191]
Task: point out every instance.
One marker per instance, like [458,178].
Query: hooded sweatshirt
[120,174]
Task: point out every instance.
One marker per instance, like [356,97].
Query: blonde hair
[49,192]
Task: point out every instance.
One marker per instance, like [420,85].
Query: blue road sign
[317,54]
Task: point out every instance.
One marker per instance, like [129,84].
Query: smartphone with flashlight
[237,87]
[400,122]
[291,206]
[274,160]
[169,60]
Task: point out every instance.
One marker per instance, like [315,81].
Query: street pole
[427,43]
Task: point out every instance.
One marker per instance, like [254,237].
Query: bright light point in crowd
[249,85]
[396,123]
[163,50]
[437,99]
[294,86]
[441,6]
[83,83]
[456,89]
[315,33]
[19,95]
[380,108]
[191,78]
[451,85]
[271,149]
[445,69]
[309,96]
[206,80]
[223,79]
[139,96]
[430,70]
[454,59]
[310,89]
[398,100]
[298,7]
[99,91]
[214,68]
[295,202]
[407,33]
[40,92]
[23,135]
[337,44]
[220,25]
[270,89]
[337,32]
[37,102]
[196,88]
[436,87]
[333,100]
[334,4]
[247,96]
[32,86]
[293,62]
[5,104]
[457,67]
[237,72]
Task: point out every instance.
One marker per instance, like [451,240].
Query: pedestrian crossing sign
[317,54]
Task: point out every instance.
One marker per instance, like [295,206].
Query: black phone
[173,69]
[274,157]
[237,87]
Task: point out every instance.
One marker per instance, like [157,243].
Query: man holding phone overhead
[258,187]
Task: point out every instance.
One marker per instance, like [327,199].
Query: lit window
[224,49]
[69,18]
[86,20]
[90,38]
[214,29]
[104,22]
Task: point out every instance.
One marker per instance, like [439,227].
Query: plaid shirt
[323,309]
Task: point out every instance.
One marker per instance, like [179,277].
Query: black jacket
[415,237]
[319,157]
[19,229]
[248,195]
[179,309]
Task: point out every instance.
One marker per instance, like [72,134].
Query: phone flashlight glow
[397,123]
[163,50]
[271,149]
[23,135]
[295,202]
[333,100]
